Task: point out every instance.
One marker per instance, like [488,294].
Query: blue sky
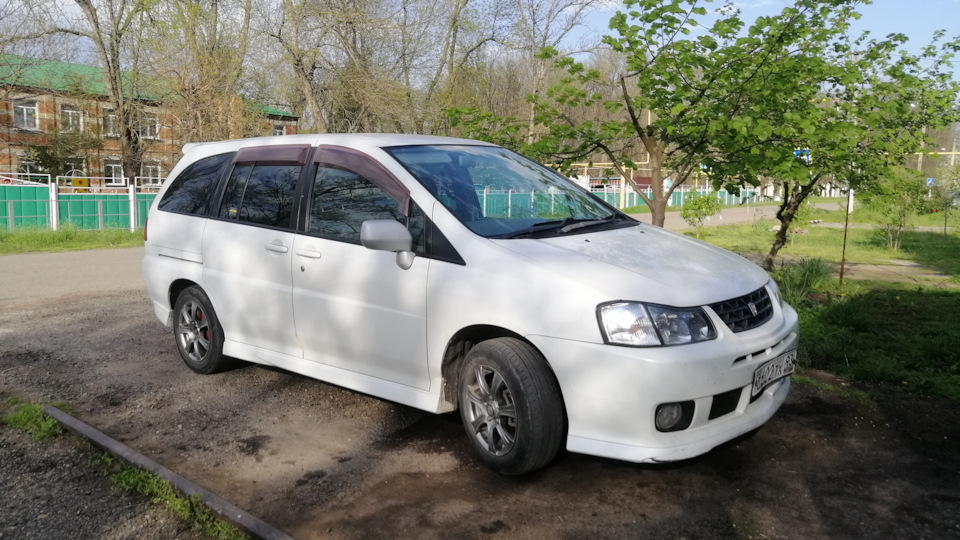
[917,19]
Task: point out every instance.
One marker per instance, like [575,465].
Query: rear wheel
[198,332]
[511,406]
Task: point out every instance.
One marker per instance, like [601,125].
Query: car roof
[353,140]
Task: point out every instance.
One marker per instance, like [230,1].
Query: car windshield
[500,194]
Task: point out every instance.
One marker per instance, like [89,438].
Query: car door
[355,308]
[247,247]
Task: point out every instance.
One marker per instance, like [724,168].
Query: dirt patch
[322,462]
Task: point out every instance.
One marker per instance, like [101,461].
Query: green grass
[31,418]
[189,508]
[889,333]
[67,239]
[863,214]
[935,250]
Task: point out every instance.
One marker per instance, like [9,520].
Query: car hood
[644,263]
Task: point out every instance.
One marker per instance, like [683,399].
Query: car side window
[260,193]
[191,189]
[342,200]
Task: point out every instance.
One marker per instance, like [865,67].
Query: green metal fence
[29,206]
[24,207]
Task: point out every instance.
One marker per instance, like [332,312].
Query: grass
[31,418]
[68,238]
[190,509]
[936,250]
[863,214]
[895,334]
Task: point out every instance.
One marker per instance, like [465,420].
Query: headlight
[647,325]
[776,291]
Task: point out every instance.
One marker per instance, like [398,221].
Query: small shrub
[798,280]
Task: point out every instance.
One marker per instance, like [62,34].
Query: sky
[917,19]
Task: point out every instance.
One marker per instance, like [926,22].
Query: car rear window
[191,190]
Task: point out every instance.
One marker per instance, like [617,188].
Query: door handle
[277,248]
[308,253]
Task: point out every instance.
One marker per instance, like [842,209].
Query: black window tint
[343,200]
[191,189]
[261,194]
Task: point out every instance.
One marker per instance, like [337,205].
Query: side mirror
[388,235]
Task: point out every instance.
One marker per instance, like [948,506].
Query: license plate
[773,370]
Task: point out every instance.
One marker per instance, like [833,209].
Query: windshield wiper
[591,223]
[562,226]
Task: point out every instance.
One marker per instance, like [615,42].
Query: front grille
[738,315]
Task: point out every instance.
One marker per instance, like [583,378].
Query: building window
[113,172]
[71,118]
[149,127]
[278,129]
[111,128]
[150,173]
[25,114]
[27,166]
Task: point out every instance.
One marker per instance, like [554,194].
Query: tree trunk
[793,197]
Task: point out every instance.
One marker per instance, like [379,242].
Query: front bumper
[611,393]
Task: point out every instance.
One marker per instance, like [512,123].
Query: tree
[740,101]
[62,151]
[897,198]
[699,207]
[946,191]
[197,47]
[114,27]
[682,86]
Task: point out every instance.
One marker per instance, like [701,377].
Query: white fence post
[54,216]
[132,192]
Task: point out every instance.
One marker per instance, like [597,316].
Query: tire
[511,406]
[198,332]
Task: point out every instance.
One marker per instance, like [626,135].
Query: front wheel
[198,332]
[511,406]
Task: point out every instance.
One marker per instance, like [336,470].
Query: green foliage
[897,334]
[798,280]
[191,509]
[31,418]
[896,197]
[66,239]
[699,207]
[62,150]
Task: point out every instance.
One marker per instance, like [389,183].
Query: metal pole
[55,206]
[132,191]
[846,227]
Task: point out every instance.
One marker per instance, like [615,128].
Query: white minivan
[448,273]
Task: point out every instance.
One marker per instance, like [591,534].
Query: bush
[796,281]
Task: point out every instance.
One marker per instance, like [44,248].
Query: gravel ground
[55,489]
[322,462]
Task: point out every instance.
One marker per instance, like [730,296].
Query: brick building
[38,97]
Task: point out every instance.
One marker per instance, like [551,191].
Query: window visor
[364,165]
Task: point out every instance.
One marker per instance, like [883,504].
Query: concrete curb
[244,521]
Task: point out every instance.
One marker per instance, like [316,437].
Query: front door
[355,308]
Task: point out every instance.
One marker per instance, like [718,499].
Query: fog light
[674,416]
[668,415]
